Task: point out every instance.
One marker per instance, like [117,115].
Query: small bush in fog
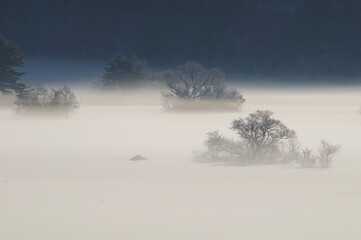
[37,99]
[122,72]
[289,151]
[263,140]
[219,148]
[307,159]
[192,85]
[326,153]
[324,159]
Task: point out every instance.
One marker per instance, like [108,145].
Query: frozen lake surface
[72,178]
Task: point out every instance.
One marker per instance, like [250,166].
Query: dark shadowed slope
[304,38]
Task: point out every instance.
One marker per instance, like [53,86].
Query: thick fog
[71,178]
[163,120]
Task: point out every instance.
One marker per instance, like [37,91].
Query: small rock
[138,158]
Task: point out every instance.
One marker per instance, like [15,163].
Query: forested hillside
[252,37]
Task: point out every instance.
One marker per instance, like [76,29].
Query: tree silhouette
[122,72]
[10,58]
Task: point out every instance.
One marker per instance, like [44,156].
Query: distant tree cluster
[10,59]
[192,84]
[188,87]
[264,140]
[31,99]
[38,99]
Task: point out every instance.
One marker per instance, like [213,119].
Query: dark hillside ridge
[306,38]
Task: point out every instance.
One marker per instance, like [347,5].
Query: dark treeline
[306,38]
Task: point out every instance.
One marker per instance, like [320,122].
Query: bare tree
[262,133]
[194,82]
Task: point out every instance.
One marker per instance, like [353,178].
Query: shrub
[37,99]
[307,159]
[326,153]
[289,151]
[221,149]
[264,140]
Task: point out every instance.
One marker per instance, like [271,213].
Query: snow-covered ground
[71,178]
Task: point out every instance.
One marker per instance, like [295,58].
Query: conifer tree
[10,58]
[122,72]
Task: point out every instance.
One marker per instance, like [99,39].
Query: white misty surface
[72,178]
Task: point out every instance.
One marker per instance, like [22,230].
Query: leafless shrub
[264,140]
[289,151]
[327,153]
[37,99]
[221,149]
[307,159]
